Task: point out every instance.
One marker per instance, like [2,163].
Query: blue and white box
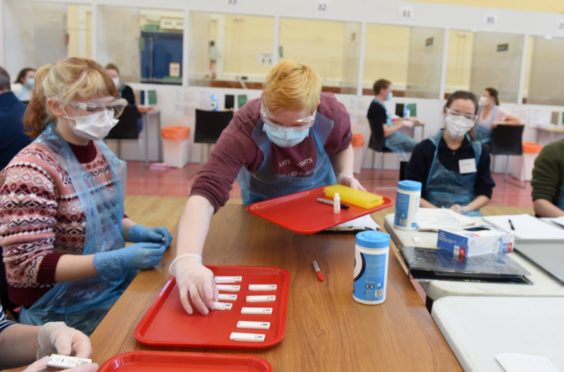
[464,243]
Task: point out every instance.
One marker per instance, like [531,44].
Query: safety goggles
[468,116]
[115,105]
[299,124]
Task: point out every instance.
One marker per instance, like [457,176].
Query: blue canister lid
[409,185]
[373,239]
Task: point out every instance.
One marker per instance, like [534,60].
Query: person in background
[548,181]
[12,136]
[24,83]
[62,222]
[490,114]
[214,56]
[453,169]
[124,90]
[378,115]
[292,139]
[22,344]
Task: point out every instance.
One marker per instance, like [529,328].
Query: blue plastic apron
[561,197]
[397,142]
[82,304]
[483,131]
[265,183]
[445,188]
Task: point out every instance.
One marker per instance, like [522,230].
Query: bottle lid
[409,185]
[373,239]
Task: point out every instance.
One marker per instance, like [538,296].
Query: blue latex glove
[139,233]
[112,265]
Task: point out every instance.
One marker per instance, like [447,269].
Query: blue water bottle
[214,103]
[371,267]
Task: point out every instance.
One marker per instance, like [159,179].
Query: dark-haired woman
[454,169]
[490,114]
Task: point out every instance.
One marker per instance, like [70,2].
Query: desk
[148,147]
[411,130]
[479,328]
[152,119]
[326,330]
[551,130]
[543,284]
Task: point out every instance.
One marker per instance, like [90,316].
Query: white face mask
[116,82]
[457,126]
[95,126]
[482,101]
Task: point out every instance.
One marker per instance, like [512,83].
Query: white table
[543,284]
[479,328]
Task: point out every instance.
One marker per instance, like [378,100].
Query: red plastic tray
[177,361]
[302,214]
[167,324]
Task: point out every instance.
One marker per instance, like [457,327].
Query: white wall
[118,40]
[34,34]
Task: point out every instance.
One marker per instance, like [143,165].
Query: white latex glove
[195,283]
[58,338]
[41,366]
[348,179]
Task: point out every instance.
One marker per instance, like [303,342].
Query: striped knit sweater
[41,217]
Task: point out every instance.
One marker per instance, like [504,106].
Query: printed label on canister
[370,272]
[406,206]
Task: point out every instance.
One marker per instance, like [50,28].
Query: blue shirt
[12,136]
[4,323]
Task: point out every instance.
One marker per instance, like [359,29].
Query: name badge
[467,166]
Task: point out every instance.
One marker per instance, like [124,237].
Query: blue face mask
[389,96]
[285,137]
[30,83]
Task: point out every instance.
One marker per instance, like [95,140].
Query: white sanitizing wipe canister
[407,205]
[371,267]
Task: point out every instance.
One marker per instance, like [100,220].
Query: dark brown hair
[494,93]
[379,85]
[21,75]
[462,94]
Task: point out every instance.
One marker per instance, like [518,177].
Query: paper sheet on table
[558,221]
[433,219]
[514,362]
[365,222]
[527,227]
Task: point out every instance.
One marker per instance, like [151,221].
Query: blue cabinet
[158,51]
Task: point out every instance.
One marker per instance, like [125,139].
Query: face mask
[482,101]
[30,83]
[95,126]
[116,82]
[457,126]
[389,96]
[285,137]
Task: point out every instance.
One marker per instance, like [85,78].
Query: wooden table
[326,330]
[551,130]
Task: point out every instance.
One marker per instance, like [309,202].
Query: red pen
[318,272]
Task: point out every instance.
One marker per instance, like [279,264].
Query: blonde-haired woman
[62,224]
[291,139]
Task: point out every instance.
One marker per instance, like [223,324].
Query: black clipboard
[436,264]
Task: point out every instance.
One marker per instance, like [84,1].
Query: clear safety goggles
[299,124]
[468,116]
[115,105]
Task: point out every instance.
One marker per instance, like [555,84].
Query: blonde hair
[291,85]
[67,80]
